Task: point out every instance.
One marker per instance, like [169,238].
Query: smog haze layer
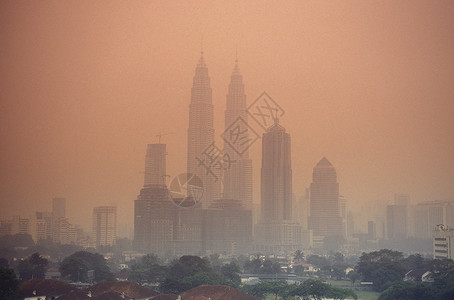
[86,85]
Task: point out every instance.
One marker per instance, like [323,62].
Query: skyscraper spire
[201,131]
[238,178]
[201,60]
[277,231]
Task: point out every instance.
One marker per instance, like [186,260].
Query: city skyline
[368,85]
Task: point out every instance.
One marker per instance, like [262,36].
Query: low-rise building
[443,242]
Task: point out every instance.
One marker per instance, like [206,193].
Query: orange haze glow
[86,85]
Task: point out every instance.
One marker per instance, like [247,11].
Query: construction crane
[161,135]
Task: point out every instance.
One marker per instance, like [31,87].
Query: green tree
[34,266]
[75,269]
[383,268]
[319,261]
[270,267]
[298,256]
[231,272]
[316,289]
[299,270]
[444,283]
[39,265]
[276,288]
[340,294]
[408,290]
[148,269]
[25,269]
[260,290]
[9,284]
[441,266]
[76,266]
[338,258]
[215,262]
[188,272]
[338,272]
[253,266]
[416,262]
[353,276]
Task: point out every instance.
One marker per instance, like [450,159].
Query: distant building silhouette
[201,135]
[429,214]
[105,225]
[397,217]
[276,175]
[238,177]
[154,212]
[325,216]
[155,165]
[371,230]
[154,220]
[276,230]
[44,225]
[227,228]
[343,213]
[350,224]
[59,208]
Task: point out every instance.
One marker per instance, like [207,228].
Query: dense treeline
[385,269]
[308,289]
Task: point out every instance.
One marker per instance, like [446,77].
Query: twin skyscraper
[219,219]
[231,177]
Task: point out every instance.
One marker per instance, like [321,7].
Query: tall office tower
[350,224]
[154,220]
[303,209]
[201,135]
[427,215]
[449,213]
[276,175]
[105,225]
[155,165]
[325,219]
[276,230]
[227,228]
[237,178]
[59,208]
[371,230]
[160,226]
[343,213]
[396,221]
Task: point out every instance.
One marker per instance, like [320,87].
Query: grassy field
[362,295]
[365,295]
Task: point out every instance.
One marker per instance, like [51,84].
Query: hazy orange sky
[86,85]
